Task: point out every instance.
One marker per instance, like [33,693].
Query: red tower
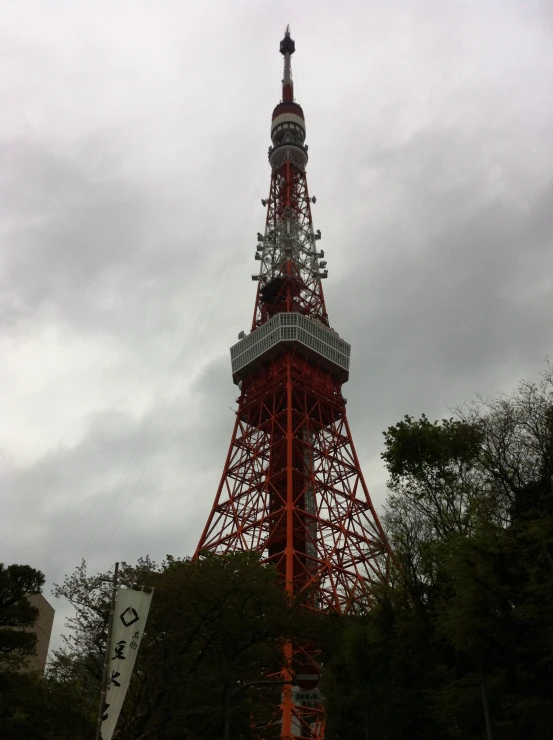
[292,488]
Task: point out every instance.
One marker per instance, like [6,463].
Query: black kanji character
[119,650]
[136,636]
[129,616]
[105,711]
[133,644]
[113,680]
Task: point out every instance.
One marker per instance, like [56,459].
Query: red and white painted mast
[291,267]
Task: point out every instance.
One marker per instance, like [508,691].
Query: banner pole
[105,673]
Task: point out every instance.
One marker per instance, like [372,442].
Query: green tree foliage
[215,624]
[29,706]
[16,614]
[35,708]
[459,644]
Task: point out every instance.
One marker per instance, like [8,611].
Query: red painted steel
[292,487]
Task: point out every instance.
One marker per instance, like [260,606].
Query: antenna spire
[287,48]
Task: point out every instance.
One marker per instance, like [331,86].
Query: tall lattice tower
[292,488]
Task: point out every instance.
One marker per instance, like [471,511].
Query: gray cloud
[133,154]
[130,486]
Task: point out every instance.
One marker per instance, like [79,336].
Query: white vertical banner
[129,620]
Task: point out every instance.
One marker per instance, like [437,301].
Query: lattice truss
[298,453]
[307,717]
[288,249]
[292,488]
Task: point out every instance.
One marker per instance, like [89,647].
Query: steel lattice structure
[292,487]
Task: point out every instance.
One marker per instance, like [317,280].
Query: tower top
[287,48]
[287,45]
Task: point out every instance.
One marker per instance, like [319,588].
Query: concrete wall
[43,630]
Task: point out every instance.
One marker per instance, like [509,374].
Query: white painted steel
[288,118]
[295,153]
[291,328]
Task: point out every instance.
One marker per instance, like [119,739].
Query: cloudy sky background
[133,142]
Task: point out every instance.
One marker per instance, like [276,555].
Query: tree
[459,644]
[433,472]
[215,623]
[30,707]
[17,614]
[38,708]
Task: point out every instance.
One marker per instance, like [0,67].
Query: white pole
[104,689]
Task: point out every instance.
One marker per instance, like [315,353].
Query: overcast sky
[134,142]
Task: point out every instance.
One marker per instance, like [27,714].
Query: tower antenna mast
[292,487]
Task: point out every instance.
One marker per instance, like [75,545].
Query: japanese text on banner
[131,612]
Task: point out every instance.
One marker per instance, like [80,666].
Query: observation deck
[308,336]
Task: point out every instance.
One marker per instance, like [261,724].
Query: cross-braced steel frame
[292,487]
